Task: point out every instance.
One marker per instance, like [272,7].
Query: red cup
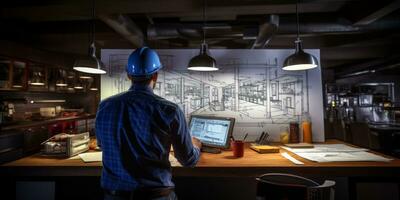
[237,148]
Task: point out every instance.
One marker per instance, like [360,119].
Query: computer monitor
[212,131]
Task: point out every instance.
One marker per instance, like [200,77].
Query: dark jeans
[171,196]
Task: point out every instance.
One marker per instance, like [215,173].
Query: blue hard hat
[143,62]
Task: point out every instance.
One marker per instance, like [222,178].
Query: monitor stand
[210,150]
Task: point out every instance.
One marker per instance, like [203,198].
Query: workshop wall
[250,86]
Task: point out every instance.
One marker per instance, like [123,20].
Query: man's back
[135,130]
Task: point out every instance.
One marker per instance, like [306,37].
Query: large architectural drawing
[255,91]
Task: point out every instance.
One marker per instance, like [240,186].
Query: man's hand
[196,142]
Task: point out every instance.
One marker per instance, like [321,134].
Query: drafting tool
[294,160]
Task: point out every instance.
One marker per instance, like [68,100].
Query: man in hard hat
[135,130]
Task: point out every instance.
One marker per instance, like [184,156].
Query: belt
[142,193]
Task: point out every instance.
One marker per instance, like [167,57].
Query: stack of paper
[91,156]
[336,153]
[322,148]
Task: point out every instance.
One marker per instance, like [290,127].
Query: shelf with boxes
[24,139]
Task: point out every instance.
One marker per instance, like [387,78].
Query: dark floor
[187,188]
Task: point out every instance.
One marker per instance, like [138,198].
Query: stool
[278,186]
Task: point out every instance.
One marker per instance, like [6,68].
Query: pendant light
[203,62]
[91,64]
[300,60]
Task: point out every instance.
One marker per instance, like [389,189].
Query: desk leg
[374,188]
[352,183]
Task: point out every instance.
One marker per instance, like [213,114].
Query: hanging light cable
[91,64]
[203,62]
[300,60]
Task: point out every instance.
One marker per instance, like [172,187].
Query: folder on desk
[265,148]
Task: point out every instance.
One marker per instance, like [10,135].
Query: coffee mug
[237,148]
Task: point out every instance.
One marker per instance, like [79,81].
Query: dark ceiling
[346,31]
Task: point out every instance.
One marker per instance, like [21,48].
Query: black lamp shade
[300,60]
[202,62]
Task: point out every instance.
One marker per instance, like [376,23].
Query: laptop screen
[212,131]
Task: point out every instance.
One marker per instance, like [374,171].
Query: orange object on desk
[307,132]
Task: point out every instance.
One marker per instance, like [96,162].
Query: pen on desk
[260,138]
[264,138]
[245,137]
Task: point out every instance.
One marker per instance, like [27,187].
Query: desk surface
[224,164]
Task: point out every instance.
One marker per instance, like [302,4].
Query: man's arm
[186,151]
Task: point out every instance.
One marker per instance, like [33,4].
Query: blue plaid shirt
[135,130]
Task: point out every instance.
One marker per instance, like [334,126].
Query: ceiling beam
[351,53]
[358,40]
[81,10]
[372,66]
[124,26]
[76,10]
[229,11]
[18,50]
[379,13]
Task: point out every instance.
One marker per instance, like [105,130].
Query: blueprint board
[250,86]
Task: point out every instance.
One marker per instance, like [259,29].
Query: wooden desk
[213,165]
[221,172]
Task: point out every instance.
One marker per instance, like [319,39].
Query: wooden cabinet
[23,75]
[38,77]
[94,83]
[13,74]
[5,72]
[57,80]
[19,75]
[71,81]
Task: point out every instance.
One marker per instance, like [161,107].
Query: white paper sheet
[336,153]
[343,156]
[91,156]
[324,148]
